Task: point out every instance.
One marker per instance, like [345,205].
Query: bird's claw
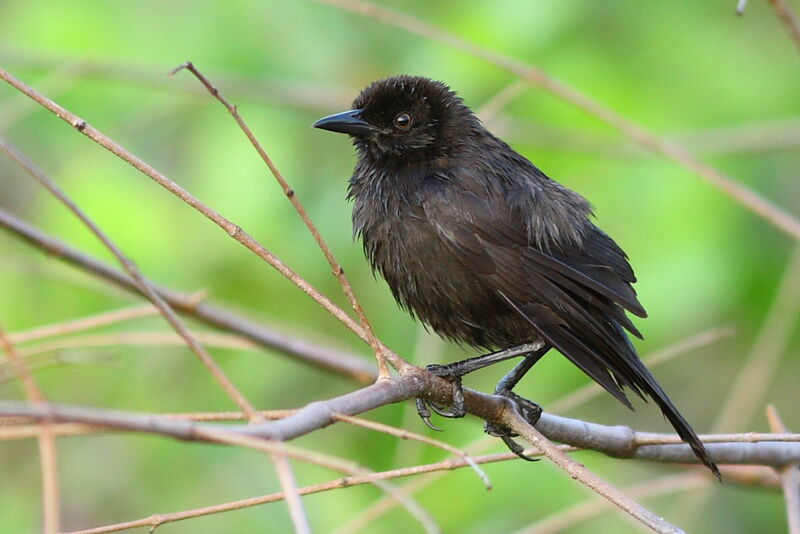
[530,411]
[457,408]
[425,414]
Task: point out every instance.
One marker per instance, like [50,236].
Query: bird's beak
[348,122]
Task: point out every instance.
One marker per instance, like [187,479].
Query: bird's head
[404,116]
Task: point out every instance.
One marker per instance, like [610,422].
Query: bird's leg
[530,411]
[453,372]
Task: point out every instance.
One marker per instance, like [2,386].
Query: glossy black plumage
[483,247]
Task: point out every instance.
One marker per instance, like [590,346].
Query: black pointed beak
[348,122]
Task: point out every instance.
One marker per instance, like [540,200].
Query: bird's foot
[457,409]
[530,411]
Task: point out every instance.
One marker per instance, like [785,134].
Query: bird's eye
[403,121]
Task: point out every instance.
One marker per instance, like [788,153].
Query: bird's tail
[681,426]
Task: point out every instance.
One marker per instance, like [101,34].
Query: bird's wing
[572,299]
[575,301]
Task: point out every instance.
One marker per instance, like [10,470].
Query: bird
[482,247]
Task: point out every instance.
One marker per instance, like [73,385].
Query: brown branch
[340,362]
[65,67]
[405,434]
[381,352]
[501,99]
[291,493]
[229,227]
[592,389]
[579,472]
[47,443]
[137,277]
[790,477]
[745,196]
[617,441]
[582,512]
[789,20]
[84,323]
[569,401]
[761,362]
[224,436]
[357,480]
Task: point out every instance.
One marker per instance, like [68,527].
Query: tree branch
[742,194]
[617,441]
[337,361]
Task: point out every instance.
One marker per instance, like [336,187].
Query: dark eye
[403,121]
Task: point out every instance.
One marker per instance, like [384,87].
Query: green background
[725,87]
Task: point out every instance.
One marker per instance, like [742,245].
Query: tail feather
[681,426]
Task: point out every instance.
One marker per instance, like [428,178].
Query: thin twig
[582,512]
[261,89]
[230,228]
[405,434]
[84,323]
[338,361]
[291,493]
[47,442]
[501,99]
[745,196]
[740,7]
[790,476]
[586,393]
[617,441]
[134,273]
[357,480]
[381,353]
[789,20]
[589,391]
[761,363]
[324,460]
[579,472]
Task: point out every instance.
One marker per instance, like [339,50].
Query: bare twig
[584,394]
[789,20]
[501,99]
[230,228]
[47,441]
[66,71]
[740,7]
[405,434]
[617,441]
[324,460]
[684,346]
[356,480]
[581,512]
[321,356]
[84,323]
[579,472]
[759,366]
[291,493]
[381,352]
[532,74]
[134,273]
[790,477]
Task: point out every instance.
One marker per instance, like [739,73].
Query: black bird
[479,244]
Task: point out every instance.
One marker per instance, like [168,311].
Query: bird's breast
[426,278]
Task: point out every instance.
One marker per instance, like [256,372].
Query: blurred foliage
[727,87]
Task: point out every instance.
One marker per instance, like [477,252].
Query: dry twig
[47,442]
[790,477]
[134,273]
[337,361]
[532,74]
[789,20]
[381,352]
